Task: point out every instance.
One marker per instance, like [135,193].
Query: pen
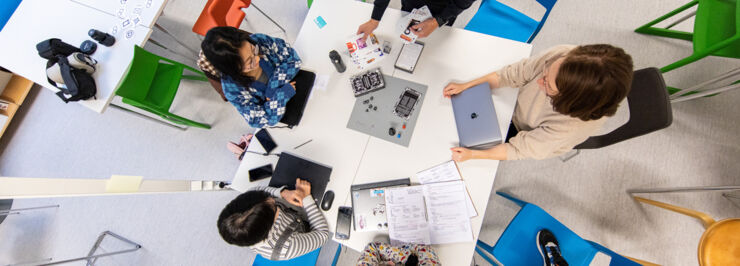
[296,147]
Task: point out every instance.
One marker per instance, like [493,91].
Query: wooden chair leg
[642,262]
[705,219]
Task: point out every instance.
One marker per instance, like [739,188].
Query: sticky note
[123,184]
[319,22]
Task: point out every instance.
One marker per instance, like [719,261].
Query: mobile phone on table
[261,172]
[266,140]
[344,222]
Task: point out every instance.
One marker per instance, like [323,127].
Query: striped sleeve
[274,191]
[302,243]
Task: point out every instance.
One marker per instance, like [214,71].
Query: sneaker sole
[539,247]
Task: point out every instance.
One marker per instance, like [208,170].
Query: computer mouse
[327,200]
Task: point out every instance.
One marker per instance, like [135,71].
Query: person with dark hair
[252,71]
[565,96]
[444,12]
[381,254]
[275,223]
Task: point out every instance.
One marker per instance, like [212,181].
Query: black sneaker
[549,249]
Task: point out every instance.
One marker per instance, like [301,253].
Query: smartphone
[266,140]
[261,172]
[406,103]
[344,222]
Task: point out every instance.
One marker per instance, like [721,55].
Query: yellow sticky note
[123,184]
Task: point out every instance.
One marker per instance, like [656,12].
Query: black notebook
[295,106]
[289,167]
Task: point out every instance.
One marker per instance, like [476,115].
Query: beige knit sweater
[543,132]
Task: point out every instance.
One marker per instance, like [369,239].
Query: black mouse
[327,200]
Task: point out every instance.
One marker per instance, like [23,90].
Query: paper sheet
[409,55]
[321,82]
[123,184]
[444,172]
[407,215]
[447,213]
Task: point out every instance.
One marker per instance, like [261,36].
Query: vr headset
[68,69]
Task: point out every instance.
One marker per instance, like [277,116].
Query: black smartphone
[266,140]
[344,222]
[261,172]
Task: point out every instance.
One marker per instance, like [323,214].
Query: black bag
[79,85]
[51,48]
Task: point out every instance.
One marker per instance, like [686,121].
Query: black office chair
[649,106]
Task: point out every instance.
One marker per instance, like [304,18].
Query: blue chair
[497,19]
[7,8]
[518,244]
[305,260]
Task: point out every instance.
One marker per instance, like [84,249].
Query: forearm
[379,7]
[498,152]
[274,191]
[492,79]
[315,217]
[453,9]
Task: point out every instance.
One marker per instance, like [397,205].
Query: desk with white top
[449,55]
[38,20]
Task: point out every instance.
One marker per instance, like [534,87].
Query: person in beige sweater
[565,96]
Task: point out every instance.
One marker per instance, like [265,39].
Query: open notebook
[434,213]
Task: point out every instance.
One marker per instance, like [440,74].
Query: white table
[149,9]
[443,61]
[449,54]
[38,20]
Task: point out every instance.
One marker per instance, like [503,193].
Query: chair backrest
[548,4]
[306,259]
[497,19]
[649,107]
[139,76]
[235,15]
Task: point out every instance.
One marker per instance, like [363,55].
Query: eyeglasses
[545,73]
[251,62]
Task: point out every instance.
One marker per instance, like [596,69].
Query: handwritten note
[447,212]
[429,214]
[406,214]
[444,172]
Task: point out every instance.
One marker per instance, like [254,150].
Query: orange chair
[720,243]
[224,13]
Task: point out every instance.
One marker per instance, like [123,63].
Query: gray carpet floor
[586,193]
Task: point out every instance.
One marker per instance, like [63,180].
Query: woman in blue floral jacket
[252,71]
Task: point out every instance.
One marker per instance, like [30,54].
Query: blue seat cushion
[518,244]
[7,7]
[497,19]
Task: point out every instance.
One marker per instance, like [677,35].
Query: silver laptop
[475,117]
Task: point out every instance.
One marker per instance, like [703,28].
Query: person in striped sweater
[276,223]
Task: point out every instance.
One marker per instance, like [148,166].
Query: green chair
[716,30]
[151,83]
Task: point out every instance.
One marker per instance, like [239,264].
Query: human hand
[453,88]
[303,187]
[460,154]
[425,28]
[292,196]
[292,84]
[367,28]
